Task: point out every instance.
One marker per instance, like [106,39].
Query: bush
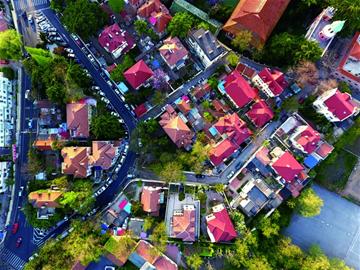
[8,72]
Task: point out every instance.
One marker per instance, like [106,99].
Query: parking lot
[336,230]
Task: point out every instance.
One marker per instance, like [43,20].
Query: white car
[230,174]
[68,49]
[21,190]
[74,37]
[91,58]
[30,18]
[71,55]
[95,88]
[109,83]
[27,93]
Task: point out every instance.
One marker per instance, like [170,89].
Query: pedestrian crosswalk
[23,5]
[11,258]
[39,236]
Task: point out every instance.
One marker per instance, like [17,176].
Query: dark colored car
[18,241]
[15,227]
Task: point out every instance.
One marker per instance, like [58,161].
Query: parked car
[21,190]
[30,18]
[18,241]
[69,50]
[15,227]
[130,176]
[230,174]
[95,88]
[71,55]
[199,175]
[27,93]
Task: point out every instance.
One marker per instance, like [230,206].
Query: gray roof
[207,42]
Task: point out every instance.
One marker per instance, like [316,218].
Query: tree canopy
[194,261]
[10,45]
[232,59]
[117,73]
[242,40]
[348,10]
[83,17]
[117,5]
[309,203]
[180,24]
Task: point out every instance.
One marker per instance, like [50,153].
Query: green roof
[182,6]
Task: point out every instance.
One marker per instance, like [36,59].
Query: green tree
[106,127]
[56,93]
[239,222]
[117,5]
[117,73]
[158,98]
[219,188]
[141,27]
[213,82]
[310,2]
[337,264]
[172,172]
[270,226]
[61,182]
[308,50]
[348,10]
[309,203]
[194,261]
[233,59]
[180,24]
[148,223]
[239,255]
[83,17]
[203,25]
[159,237]
[242,40]
[35,162]
[10,45]
[258,263]
[291,104]
[316,259]
[344,87]
[8,72]
[288,256]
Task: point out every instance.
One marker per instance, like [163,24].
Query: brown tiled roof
[77,119]
[257,16]
[76,161]
[157,14]
[103,154]
[46,198]
[183,224]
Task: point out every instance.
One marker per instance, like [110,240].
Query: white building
[335,105]
[4,174]
[206,46]
[6,111]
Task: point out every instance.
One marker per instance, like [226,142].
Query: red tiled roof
[308,139]
[258,16]
[156,13]
[287,167]
[173,51]
[150,199]
[234,127]
[260,113]
[353,52]
[176,129]
[222,151]
[103,154]
[239,89]
[340,105]
[324,150]
[113,38]
[184,106]
[140,110]
[138,74]
[3,22]
[201,90]
[77,119]
[219,225]
[275,79]
[246,71]
[76,161]
[263,155]
[183,225]
[163,263]
[46,198]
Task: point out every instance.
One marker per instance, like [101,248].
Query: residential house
[234,132]
[201,92]
[254,196]
[175,127]
[146,256]
[77,119]
[174,53]
[6,111]
[206,46]
[219,225]
[138,75]
[257,16]
[116,41]
[76,161]
[335,105]
[3,21]
[157,15]
[151,197]
[270,81]
[45,201]
[44,144]
[133,5]
[286,166]
[305,138]
[4,175]
[246,71]
[117,254]
[260,113]
[348,69]
[183,224]
[237,89]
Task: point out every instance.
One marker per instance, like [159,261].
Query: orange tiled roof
[77,119]
[76,161]
[257,16]
[157,14]
[183,225]
[45,198]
